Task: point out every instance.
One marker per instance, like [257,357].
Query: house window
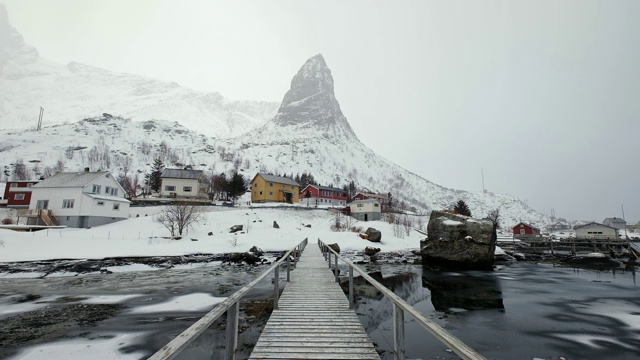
[255,185]
[170,188]
[270,184]
[116,206]
[376,205]
[360,205]
[270,192]
[67,204]
[19,197]
[522,231]
[96,189]
[107,190]
[13,185]
[291,187]
[186,188]
[260,192]
[100,203]
[114,191]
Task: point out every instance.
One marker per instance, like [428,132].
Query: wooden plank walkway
[313,320]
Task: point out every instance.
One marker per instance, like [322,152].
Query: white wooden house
[593,230]
[366,210]
[79,200]
[181,183]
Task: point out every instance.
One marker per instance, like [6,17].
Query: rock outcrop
[457,241]
[373,235]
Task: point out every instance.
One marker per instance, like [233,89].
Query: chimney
[86,169]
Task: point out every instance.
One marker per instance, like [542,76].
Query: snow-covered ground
[140,235]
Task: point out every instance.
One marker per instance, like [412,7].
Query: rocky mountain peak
[311,102]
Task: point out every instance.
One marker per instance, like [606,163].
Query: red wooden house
[323,195]
[17,193]
[524,229]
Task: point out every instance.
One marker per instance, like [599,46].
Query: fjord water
[522,311]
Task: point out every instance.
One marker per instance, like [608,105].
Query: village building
[17,193]
[181,183]
[615,222]
[323,195]
[78,200]
[593,230]
[272,188]
[366,210]
[524,229]
[383,199]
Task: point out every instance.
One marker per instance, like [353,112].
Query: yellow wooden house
[271,188]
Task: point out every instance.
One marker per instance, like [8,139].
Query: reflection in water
[463,290]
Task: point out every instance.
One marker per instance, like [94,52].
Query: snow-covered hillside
[77,91]
[309,134]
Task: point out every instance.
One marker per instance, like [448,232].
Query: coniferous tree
[461,208]
[236,187]
[155,180]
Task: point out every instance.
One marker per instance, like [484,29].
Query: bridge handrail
[229,305]
[455,344]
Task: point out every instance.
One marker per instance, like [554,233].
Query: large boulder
[373,235]
[370,251]
[457,241]
[236,228]
[335,247]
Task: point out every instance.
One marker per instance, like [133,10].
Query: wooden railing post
[276,287]
[398,331]
[329,260]
[232,332]
[350,287]
[288,269]
[336,267]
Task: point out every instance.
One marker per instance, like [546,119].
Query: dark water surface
[523,311]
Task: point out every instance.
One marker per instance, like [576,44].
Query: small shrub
[357,229]
[7,221]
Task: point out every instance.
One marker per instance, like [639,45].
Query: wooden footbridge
[313,318]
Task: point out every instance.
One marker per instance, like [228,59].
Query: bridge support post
[329,260]
[232,332]
[289,269]
[336,267]
[398,332]
[276,287]
[350,287]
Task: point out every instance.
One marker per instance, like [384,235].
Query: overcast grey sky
[542,95]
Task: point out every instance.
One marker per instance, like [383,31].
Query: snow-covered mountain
[309,132]
[76,91]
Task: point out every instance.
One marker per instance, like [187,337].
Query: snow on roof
[377,196]
[69,180]
[181,174]
[108,197]
[593,224]
[363,201]
[277,179]
[615,220]
[320,187]
[525,224]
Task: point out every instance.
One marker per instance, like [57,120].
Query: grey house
[366,210]
[615,222]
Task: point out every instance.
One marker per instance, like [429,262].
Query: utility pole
[40,118]
[625,222]
[482,171]
[293,151]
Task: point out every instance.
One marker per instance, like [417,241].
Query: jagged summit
[311,102]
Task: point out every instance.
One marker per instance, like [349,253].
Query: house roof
[323,188]
[364,201]
[375,196]
[591,224]
[276,179]
[108,197]
[525,224]
[181,174]
[615,220]
[71,180]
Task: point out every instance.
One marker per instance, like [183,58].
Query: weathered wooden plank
[313,320]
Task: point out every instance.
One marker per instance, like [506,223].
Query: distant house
[79,200]
[366,210]
[615,222]
[383,199]
[17,193]
[593,230]
[524,229]
[323,195]
[559,226]
[180,183]
[272,188]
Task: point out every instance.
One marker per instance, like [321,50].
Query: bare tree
[494,217]
[131,185]
[179,216]
[20,171]
[407,222]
